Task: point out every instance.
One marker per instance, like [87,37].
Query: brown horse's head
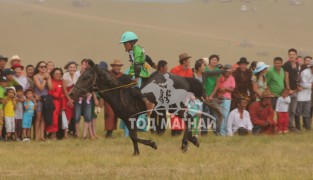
[94,79]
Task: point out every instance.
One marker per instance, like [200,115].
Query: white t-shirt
[234,121]
[68,79]
[306,84]
[23,81]
[282,104]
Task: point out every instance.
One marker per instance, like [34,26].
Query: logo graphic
[170,99]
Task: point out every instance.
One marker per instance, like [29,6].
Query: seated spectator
[239,119]
[262,114]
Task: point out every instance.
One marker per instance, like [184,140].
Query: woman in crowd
[42,81]
[258,79]
[69,79]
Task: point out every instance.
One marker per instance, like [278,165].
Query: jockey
[137,68]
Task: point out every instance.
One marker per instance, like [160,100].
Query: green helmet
[128,36]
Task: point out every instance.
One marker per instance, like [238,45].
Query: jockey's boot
[149,106]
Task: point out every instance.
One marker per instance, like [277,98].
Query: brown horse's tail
[216,108]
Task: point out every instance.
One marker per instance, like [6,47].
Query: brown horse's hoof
[136,154]
[184,148]
[154,145]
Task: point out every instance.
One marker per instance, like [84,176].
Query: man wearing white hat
[15,59]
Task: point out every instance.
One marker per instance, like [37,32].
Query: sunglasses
[43,66]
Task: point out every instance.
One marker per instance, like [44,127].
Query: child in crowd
[3,84]
[19,112]
[282,106]
[29,105]
[194,109]
[9,103]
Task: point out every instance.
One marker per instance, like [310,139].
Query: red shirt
[57,90]
[259,115]
[181,71]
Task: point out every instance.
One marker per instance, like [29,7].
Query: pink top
[226,83]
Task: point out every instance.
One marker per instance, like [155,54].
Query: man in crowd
[184,70]
[262,114]
[242,80]
[291,68]
[275,79]
[239,119]
[3,62]
[304,98]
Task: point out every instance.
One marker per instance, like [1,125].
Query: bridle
[89,89]
[94,88]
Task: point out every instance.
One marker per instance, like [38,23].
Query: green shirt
[275,81]
[210,81]
[2,90]
[137,56]
[13,83]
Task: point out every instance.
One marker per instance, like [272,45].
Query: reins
[118,87]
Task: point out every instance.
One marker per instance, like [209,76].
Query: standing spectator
[19,109]
[82,105]
[304,98]
[159,120]
[262,114]
[243,81]
[42,81]
[184,70]
[69,79]
[110,119]
[9,103]
[282,112]
[275,79]
[3,84]
[30,106]
[3,62]
[239,119]
[9,74]
[19,77]
[291,68]
[227,86]
[56,91]
[50,66]
[15,59]
[211,85]
[199,69]
[258,79]
[30,74]
[306,62]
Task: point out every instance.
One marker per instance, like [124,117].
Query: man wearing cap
[242,80]
[226,87]
[184,70]
[19,77]
[9,74]
[262,114]
[110,119]
[304,98]
[275,79]
[3,62]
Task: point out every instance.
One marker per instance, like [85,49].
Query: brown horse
[126,106]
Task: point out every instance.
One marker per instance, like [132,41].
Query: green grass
[253,157]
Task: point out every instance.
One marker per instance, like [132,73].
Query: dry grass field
[253,157]
[55,30]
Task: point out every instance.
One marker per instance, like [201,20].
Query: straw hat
[116,62]
[184,56]
[15,58]
[267,94]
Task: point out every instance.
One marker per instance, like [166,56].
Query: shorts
[9,124]
[27,120]
[39,106]
[1,117]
